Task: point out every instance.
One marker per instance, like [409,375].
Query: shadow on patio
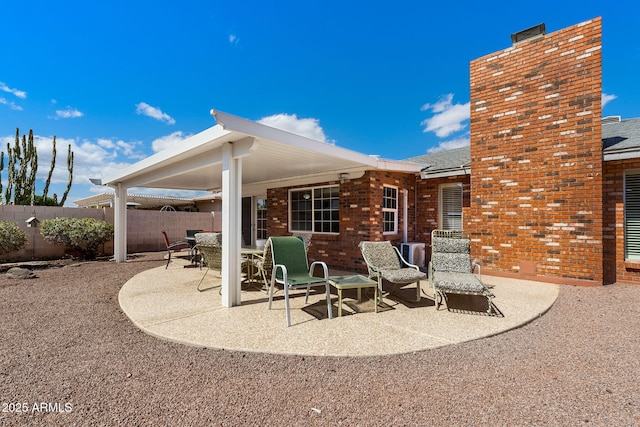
[166,304]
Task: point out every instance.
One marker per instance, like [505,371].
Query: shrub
[81,234]
[12,237]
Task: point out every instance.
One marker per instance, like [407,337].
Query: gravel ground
[69,356]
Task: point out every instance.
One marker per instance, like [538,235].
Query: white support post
[120,224]
[231,226]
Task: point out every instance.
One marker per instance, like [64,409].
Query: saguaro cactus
[22,170]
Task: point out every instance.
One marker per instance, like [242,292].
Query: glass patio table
[356,281]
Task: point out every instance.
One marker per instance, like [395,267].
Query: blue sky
[119,80]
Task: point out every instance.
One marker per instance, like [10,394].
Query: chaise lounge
[451,269]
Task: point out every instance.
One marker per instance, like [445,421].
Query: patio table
[356,281]
[250,253]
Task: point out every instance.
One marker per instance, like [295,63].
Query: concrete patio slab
[166,304]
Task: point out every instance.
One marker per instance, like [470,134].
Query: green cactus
[22,170]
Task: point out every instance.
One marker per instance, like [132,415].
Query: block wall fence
[143,228]
[536,157]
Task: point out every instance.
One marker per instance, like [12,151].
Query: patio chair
[178,246]
[385,263]
[305,237]
[451,270]
[291,269]
[209,245]
[264,263]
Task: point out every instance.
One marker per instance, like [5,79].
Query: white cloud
[168,141]
[449,145]
[10,104]
[19,93]
[448,117]
[105,143]
[233,39]
[606,98]
[309,127]
[68,113]
[155,113]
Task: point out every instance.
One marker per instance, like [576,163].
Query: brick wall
[428,205]
[616,269]
[536,157]
[360,218]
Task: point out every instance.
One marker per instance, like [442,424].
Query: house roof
[444,163]
[620,140]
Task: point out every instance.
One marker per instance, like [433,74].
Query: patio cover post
[120,223]
[231,226]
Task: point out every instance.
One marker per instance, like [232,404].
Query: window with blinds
[632,214]
[451,206]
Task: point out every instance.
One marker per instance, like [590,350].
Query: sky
[120,80]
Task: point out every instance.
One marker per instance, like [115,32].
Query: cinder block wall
[536,157]
[360,218]
[143,228]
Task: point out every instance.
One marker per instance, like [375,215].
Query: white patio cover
[240,158]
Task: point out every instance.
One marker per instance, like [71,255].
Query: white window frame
[258,220]
[394,211]
[444,225]
[631,184]
[312,192]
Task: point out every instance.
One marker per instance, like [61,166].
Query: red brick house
[546,189]
[541,188]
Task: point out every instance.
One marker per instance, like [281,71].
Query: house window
[261,219]
[315,209]
[390,210]
[451,206]
[632,214]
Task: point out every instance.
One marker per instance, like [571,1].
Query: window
[451,206]
[315,209]
[390,210]
[632,215]
[261,219]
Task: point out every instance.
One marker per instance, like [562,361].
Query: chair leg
[200,282]
[418,292]
[168,260]
[328,291]
[271,286]
[286,303]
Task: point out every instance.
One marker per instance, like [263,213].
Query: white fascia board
[633,153]
[446,173]
[172,154]
[399,165]
[234,123]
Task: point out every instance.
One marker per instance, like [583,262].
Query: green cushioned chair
[291,269]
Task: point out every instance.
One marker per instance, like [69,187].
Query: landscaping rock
[20,273]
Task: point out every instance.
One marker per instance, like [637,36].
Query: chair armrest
[475,265]
[176,244]
[404,262]
[325,269]
[275,270]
